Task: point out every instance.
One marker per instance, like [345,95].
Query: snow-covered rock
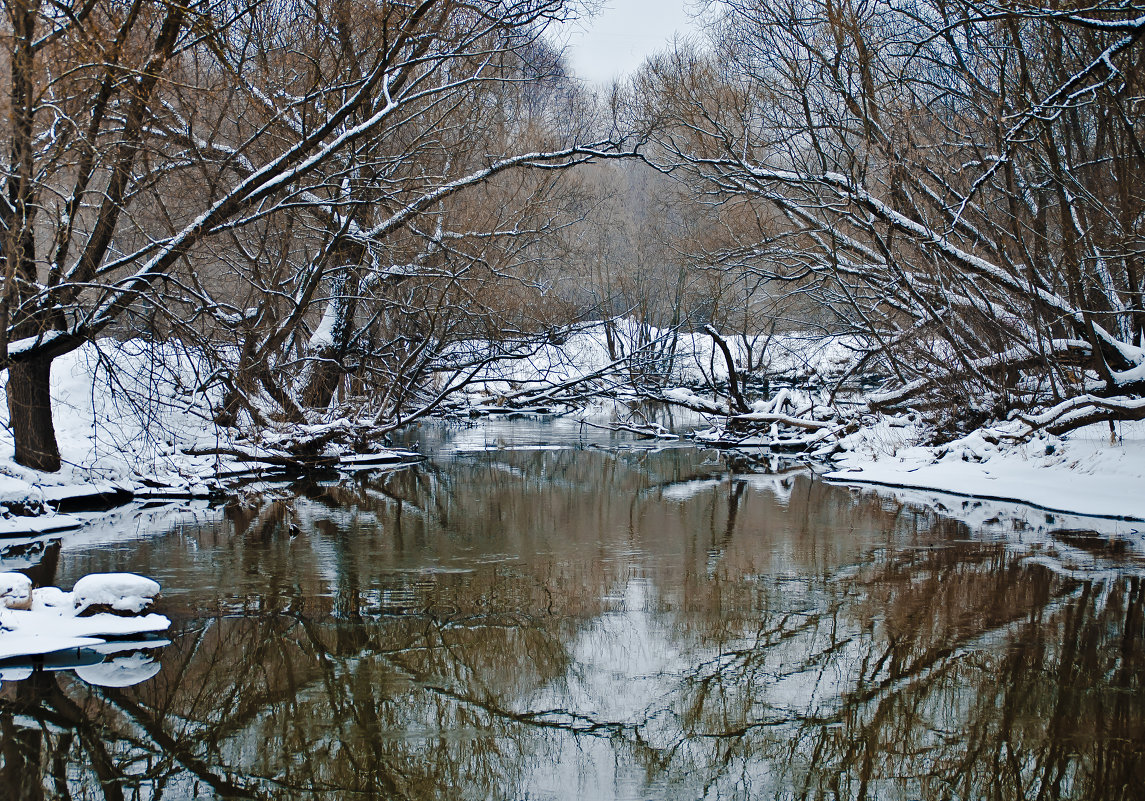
[119,592]
[15,591]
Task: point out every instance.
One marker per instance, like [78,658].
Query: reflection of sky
[622,658]
[625,663]
[637,666]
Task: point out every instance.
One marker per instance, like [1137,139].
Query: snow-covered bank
[1080,473]
[132,423]
[126,414]
[136,419]
[610,354]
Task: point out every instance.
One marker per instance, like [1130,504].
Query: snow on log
[682,396]
[1081,411]
[786,419]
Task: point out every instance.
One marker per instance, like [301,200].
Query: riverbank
[132,424]
[1083,472]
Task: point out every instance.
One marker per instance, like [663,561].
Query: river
[538,612]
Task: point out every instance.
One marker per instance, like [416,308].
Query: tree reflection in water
[581,623]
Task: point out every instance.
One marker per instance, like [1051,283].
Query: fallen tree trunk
[1083,410]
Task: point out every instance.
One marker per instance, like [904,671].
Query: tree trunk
[325,375]
[327,356]
[733,376]
[30,415]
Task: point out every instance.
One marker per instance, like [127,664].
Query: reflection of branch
[172,747]
[110,779]
[562,719]
[22,749]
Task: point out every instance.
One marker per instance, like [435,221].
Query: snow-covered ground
[1082,472]
[124,414]
[131,420]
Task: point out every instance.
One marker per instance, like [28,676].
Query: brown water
[587,622]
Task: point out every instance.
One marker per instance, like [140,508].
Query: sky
[618,38]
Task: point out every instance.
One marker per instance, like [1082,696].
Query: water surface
[592,619]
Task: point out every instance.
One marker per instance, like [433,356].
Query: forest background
[321,220]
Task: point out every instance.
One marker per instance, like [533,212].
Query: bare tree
[962,180]
[142,136]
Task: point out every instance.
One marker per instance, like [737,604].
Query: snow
[15,591]
[682,357]
[1080,473]
[323,336]
[47,524]
[123,592]
[125,414]
[51,598]
[53,622]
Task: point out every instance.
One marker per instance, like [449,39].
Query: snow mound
[51,598]
[123,592]
[15,591]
